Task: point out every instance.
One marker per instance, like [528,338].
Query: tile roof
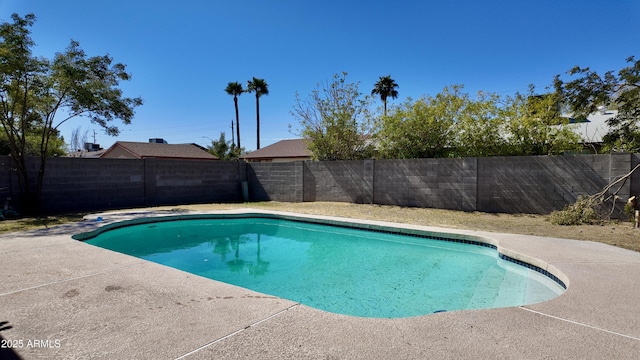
[143,150]
[293,148]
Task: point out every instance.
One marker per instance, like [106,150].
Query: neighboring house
[86,154]
[283,150]
[593,128]
[156,150]
[90,150]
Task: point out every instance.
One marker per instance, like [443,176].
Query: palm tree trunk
[235,101]
[257,121]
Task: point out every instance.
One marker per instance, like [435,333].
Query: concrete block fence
[76,184]
[536,184]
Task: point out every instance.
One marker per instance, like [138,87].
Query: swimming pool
[346,268]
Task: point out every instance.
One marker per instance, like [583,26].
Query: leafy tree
[336,118]
[590,90]
[451,124]
[235,89]
[534,125]
[37,95]
[223,149]
[479,129]
[422,128]
[57,146]
[259,87]
[385,87]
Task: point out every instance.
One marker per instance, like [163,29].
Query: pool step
[486,291]
[512,291]
[500,288]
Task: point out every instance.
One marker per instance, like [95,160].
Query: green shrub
[630,209]
[580,212]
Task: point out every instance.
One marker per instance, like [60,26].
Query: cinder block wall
[434,183]
[86,184]
[171,182]
[275,181]
[77,184]
[537,184]
[341,181]
[634,186]
[540,184]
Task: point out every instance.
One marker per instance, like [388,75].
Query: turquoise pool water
[337,269]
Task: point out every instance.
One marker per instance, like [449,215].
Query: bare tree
[78,139]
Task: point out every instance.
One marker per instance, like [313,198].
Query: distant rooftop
[141,150]
[594,127]
[283,149]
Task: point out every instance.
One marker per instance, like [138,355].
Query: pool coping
[57,288]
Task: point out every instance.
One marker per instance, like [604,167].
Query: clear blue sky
[183,53]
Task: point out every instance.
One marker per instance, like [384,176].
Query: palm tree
[260,87]
[385,87]
[235,89]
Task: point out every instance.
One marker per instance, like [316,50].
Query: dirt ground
[621,234]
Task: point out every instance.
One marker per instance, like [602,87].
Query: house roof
[143,150]
[293,148]
[86,154]
[594,127]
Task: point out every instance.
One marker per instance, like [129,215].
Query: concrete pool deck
[61,298]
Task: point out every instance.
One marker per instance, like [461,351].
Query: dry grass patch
[23,224]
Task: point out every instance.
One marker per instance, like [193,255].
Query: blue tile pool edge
[442,236]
